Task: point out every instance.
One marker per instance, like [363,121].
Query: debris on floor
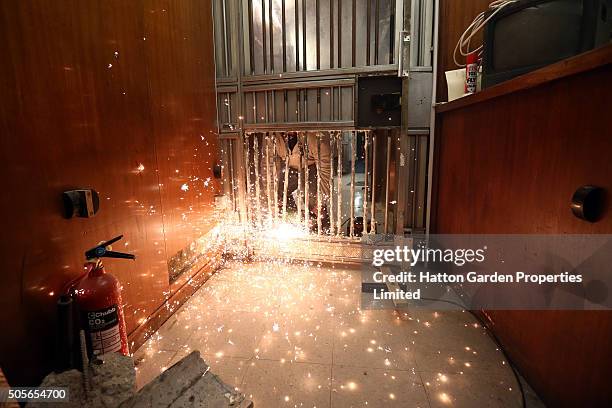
[111,379]
[187,383]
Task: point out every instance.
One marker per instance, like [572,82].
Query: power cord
[495,340]
[463,45]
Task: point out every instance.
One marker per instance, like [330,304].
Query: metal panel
[306,102]
[291,65]
[289,36]
[225,39]
[419,100]
[421,23]
[303,35]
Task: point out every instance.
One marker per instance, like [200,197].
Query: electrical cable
[463,45]
[495,340]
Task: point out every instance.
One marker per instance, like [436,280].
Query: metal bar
[286,183]
[415,33]
[304,35]
[230,157]
[400,55]
[221,88]
[340,116]
[229,108]
[298,111]
[271,29]
[354,33]
[251,47]
[336,103]
[323,74]
[274,179]
[305,106]
[331,35]
[339,215]
[306,183]
[426,31]
[257,186]
[368,31]
[284,35]
[273,107]
[352,203]
[297,35]
[268,86]
[399,27]
[249,199]
[318,104]
[376,29]
[330,210]
[285,106]
[373,198]
[255,112]
[267,108]
[339,33]
[318,31]
[268,179]
[225,40]
[432,122]
[241,180]
[264,36]
[387,182]
[366,146]
[318,164]
[300,143]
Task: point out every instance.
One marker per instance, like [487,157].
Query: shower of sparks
[265,310]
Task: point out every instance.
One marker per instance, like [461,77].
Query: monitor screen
[538,35]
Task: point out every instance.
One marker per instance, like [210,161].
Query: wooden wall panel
[183,105]
[111,95]
[455,16]
[509,165]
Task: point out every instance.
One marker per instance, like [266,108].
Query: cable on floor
[495,340]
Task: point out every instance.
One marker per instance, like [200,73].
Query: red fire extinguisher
[98,301]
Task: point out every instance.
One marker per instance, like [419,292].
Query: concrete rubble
[188,383]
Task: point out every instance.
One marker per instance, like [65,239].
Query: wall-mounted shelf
[571,66]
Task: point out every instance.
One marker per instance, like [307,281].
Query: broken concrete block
[112,379]
[188,383]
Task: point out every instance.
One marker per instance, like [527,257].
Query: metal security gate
[291,67]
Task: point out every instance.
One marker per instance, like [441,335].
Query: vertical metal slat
[248,176]
[300,143]
[387,182]
[318,163]
[339,215]
[330,209]
[274,179]
[257,186]
[373,197]
[366,147]
[268,179]
[286,183]
[306,183]
[352,204]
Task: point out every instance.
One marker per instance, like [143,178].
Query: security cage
[288,72]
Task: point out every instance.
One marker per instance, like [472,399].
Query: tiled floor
[294,336]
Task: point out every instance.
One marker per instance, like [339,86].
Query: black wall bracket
[83,203]
[588,203]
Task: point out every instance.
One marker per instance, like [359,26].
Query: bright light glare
[285,232]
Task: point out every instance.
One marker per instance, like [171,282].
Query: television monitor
[530,34]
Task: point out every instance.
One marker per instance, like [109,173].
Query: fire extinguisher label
[103,329]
